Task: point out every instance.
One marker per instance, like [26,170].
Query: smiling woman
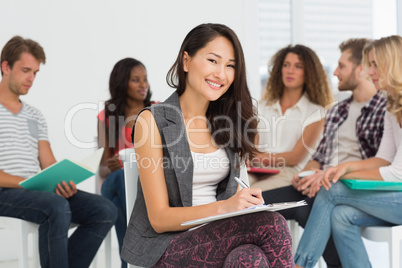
[194,126]
[211,71]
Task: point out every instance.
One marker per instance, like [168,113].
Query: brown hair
[355,46]
[236,104]
[388,57]
[16,46]
[316,83]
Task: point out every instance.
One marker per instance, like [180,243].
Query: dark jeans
[301,214]
[253,240]
[94,214]
[113,188]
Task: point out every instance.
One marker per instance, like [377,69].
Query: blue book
[65,170]
[373,185]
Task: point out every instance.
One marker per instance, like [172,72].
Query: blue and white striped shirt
[19,136]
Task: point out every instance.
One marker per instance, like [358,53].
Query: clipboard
[373,185]
[253,209]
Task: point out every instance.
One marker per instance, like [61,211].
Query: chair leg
[394,250]
[35,247]
[108,250]
[294,229]
[23,238]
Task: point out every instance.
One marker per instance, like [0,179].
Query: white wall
[385,17]
[84,39]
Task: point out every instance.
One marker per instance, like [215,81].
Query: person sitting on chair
[24,151]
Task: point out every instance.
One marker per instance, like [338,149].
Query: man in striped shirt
[24,151]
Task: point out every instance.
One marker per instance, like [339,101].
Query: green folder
[65,170]
[373,185]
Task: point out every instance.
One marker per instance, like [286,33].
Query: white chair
[391,235]
[108,239]
[23,229]
[296,231]
[130,180]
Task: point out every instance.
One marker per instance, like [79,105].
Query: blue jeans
[300,214]
[343,211]
[94,214]
[113,188]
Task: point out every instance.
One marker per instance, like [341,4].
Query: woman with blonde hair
[291,114]
[342,210]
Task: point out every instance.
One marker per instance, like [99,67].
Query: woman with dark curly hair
[291,115]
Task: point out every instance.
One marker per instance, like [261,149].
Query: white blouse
[209,170]
[279,133]
[391,149]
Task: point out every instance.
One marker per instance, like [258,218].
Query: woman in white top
[188,158]
[291,114]
[342,210]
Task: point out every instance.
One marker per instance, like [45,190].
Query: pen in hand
[243,184]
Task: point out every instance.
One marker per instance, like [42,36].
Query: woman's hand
[296,182]
[316,182]
[245,198]
[333,174]
[113,163]
[308,185]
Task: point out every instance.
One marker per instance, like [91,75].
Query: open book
[253,209]
[65,170]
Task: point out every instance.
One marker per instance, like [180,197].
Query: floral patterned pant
[254,240]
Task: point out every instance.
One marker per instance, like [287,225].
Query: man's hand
[66,191]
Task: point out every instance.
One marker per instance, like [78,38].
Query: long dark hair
[118,84]
[235,105]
